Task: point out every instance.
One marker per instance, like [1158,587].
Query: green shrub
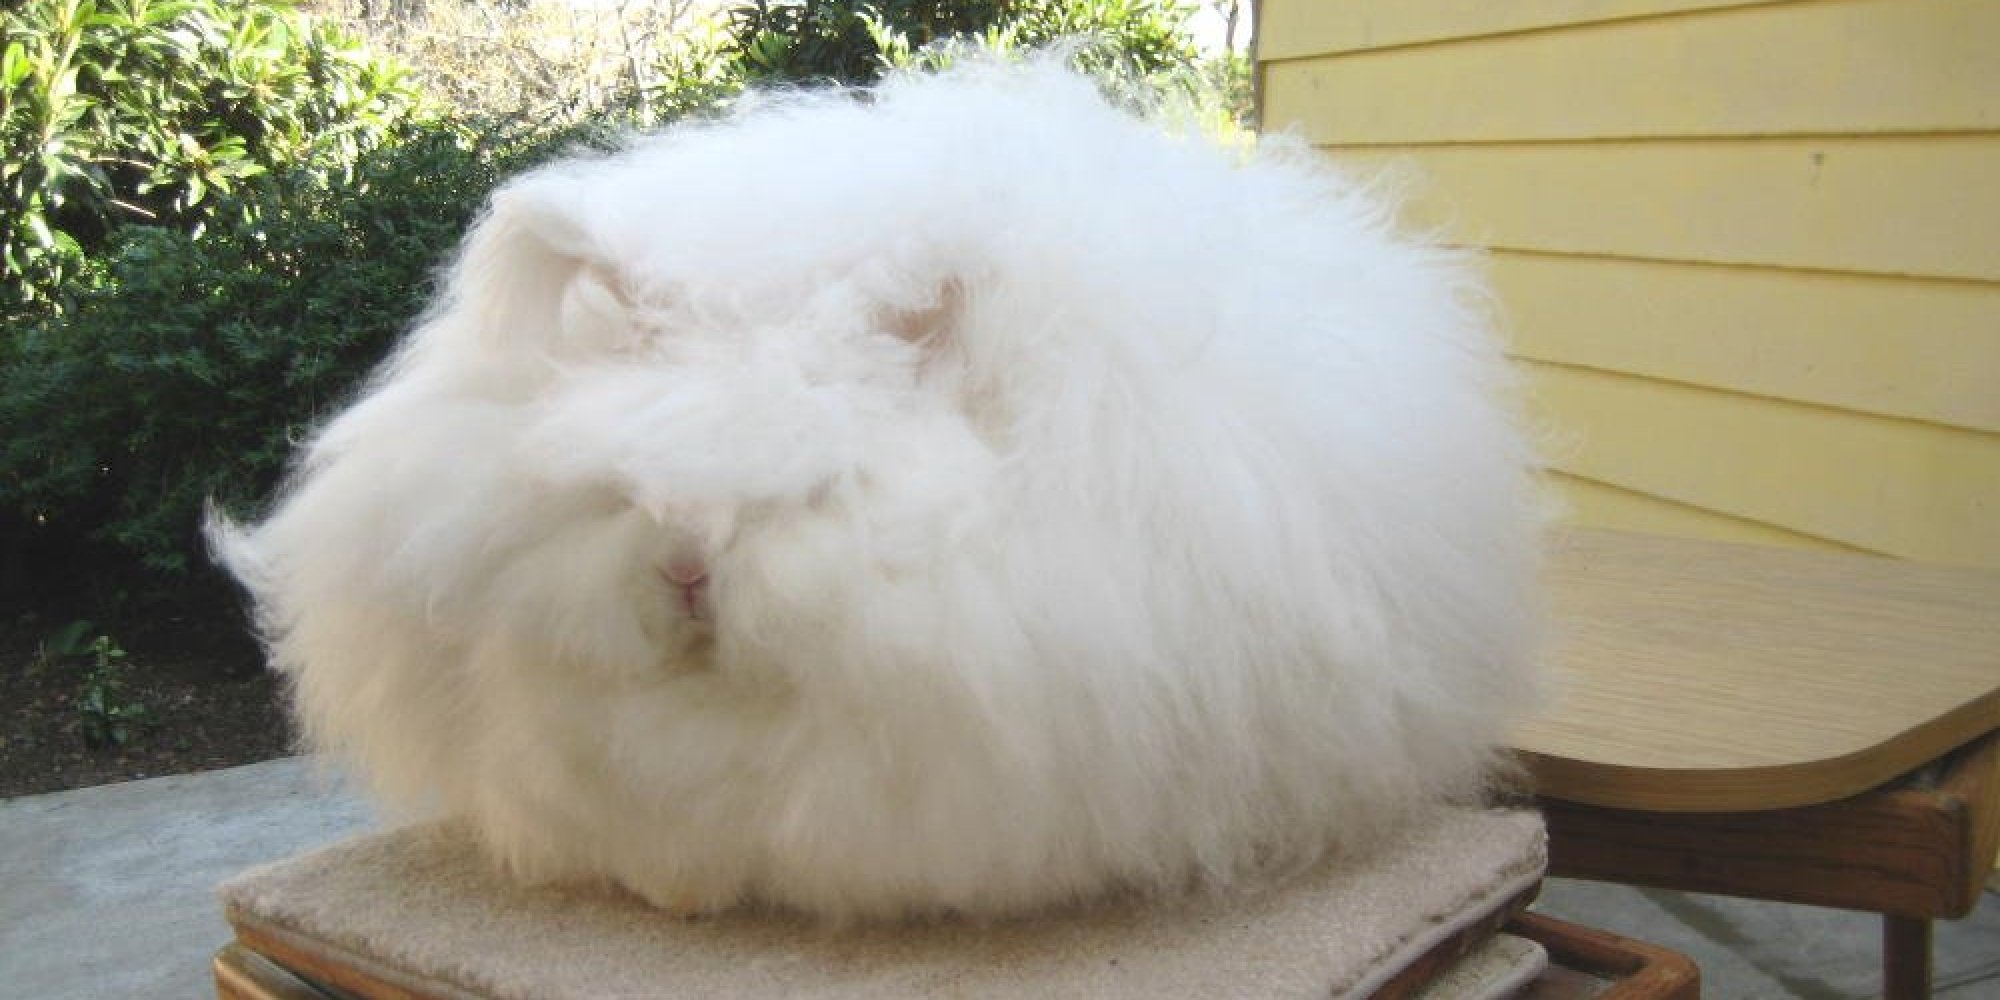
[699,70]
[845,41]
[115,112]
[837,40]
[197,361]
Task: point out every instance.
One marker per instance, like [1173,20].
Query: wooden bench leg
[1906,958]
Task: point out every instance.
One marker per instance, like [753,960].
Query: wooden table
[1795,726]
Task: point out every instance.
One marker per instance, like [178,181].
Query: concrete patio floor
[107,892]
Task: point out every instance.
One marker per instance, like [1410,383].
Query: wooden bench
[1793,726]
[415,914]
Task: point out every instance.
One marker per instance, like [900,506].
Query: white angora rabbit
[966,498]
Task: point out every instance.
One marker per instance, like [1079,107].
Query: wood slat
[242,974]
[1917,349]
[337,967]
[1295,28]
[1702,677]
[1913,490]
[1909,206]
[1820,68]
[1601,505]
[1626,969]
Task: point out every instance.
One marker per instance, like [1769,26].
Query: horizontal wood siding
[1296,28]
[1913,206]
[1749,253]
[1912,348]
[1813,69]
[1610,506]
[1913,489]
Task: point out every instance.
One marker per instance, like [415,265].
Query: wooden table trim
[1746,789]
[1908,851]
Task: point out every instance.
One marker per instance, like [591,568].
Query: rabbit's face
[714,464]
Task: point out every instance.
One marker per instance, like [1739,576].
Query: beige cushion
[418,909]
[1499,968]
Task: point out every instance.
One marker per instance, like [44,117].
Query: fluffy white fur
[1082,507]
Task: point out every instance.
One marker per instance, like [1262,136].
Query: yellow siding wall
[1749,252]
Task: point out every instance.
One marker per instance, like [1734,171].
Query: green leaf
[68,640]
[38,228]
[161,13]
[14,65]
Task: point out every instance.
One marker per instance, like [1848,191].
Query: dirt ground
[207,703]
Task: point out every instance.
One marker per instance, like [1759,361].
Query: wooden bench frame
[1913,852]
[1623,969]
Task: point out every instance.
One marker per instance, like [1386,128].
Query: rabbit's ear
[533,275]
[928,323]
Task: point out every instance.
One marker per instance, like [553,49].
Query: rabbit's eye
[927,325]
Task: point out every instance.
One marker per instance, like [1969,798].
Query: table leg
[1906,958]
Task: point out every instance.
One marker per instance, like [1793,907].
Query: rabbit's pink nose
[685,572]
